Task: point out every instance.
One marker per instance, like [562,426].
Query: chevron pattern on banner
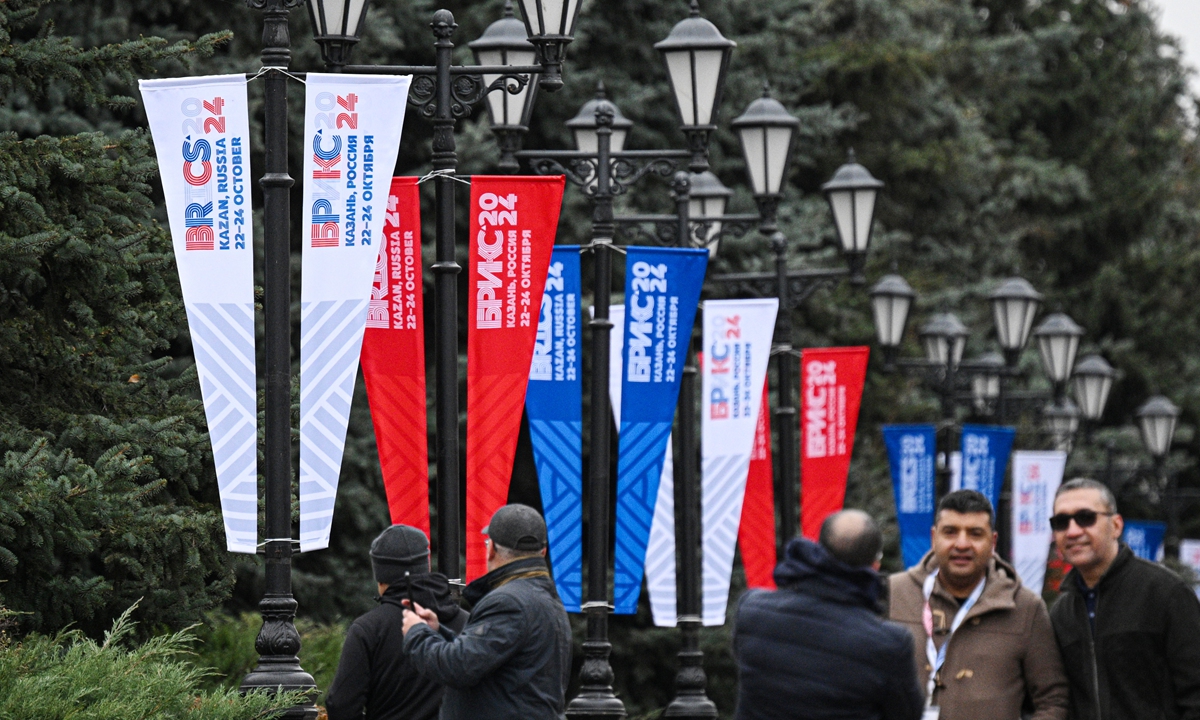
[660,552]
[638,472]
[722,489]
[397,435]
[330,341]
[492,429]
[756,532]
[558,454]
[223,342]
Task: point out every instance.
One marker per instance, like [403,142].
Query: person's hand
[414,615]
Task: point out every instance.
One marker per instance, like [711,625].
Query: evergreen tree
[101,434]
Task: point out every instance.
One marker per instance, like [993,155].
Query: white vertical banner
[352,126]
[202,139]
[1189,554]
[737,348]
[1036,477]
[660,549]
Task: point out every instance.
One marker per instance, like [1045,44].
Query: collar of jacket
[808,566]
[1074,580]
[430,590]
[531,567]
[999,592]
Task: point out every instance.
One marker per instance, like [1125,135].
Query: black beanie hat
[397,550]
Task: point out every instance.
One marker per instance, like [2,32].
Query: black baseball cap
[517,527]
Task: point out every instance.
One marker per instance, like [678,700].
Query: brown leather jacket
[1004,649]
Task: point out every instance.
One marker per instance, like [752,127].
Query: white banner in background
[660,549]
[352,126]
[202,139]
[1036,477]
[737,347]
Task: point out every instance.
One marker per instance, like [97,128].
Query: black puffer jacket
[512,661]
[374,678]
[1144,660]
[817,649]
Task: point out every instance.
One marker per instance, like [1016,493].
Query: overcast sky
[1181,18]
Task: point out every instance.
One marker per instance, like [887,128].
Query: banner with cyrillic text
[1145,538]
[351,139]
[201,136]
[831,385]
[756,531]
[393,359]
[554,406]
[1036,477]
[660,550]
[737,347]
[662,289]
[985,450]
[911,452]
[513,223]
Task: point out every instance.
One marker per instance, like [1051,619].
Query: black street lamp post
[943,337]
[1157,418]
[442,93]
[603,169]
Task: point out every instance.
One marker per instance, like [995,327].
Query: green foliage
[101,432]
[225,645]
[68,675]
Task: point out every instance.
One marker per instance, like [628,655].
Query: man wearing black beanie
[375,680]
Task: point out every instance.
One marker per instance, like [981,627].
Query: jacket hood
[808,565]
[999,593]
[430,590]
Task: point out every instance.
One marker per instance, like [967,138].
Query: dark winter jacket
[374,678]
[1143,661]
[817,648]
[512,661]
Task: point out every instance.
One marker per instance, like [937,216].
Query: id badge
[931,713]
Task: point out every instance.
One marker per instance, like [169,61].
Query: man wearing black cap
[512,661]
[375,679]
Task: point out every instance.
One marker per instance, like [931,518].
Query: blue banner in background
[662,289]
[985,451]
[911,452]
[1145,538]
[554,405]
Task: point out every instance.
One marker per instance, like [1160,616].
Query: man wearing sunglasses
[1128,629]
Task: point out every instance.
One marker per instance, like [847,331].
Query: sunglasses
[1082,518]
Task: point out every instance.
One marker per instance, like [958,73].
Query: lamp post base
[690,700]
[278,668]
[596,700]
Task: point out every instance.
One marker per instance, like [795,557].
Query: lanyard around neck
[935,656]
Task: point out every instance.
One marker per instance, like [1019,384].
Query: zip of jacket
[1092,654]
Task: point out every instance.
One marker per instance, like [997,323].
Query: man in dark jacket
[512,661]
[375,680]
[1128,629]
[817,647]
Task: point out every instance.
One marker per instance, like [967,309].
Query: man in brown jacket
[992,644]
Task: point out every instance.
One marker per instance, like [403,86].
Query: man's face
[962,543]
[1087,547]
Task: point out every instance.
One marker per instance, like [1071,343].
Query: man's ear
[543,553]
[491,551]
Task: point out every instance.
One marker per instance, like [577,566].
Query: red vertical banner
[756,533]
[513,223]
[831,385]
[393,359]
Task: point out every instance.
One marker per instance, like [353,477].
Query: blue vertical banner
[911,451]
[662,290]
[554,405]
[985,451]
[1145,538]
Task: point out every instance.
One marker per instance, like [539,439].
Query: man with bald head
[817,647]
